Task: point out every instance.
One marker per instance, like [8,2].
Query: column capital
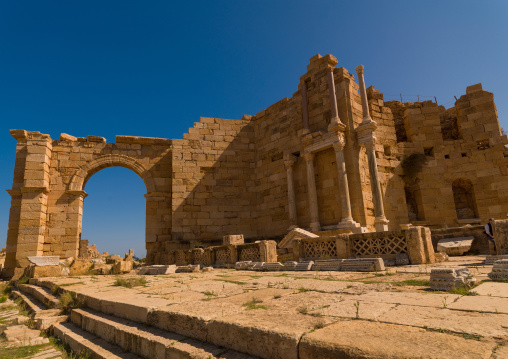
[341,142]
[81,194]
[308,156]
[360,69]
[365,133]
[289,160]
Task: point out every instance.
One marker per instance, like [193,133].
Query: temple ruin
[335,158]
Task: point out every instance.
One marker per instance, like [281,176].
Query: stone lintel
[143,140]
[67,137]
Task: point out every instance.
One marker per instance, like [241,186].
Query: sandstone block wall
[230,176]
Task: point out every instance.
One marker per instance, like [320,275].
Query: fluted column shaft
[345,202]
[379,209]
[311,189]
[366,138]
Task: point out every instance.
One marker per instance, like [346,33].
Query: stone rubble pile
[446,279]
[352,265]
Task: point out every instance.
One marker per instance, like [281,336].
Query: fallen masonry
[450,278]
[490,260]
[500,271]
[455,246]
[281,314]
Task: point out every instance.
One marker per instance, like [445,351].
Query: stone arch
[464,198]
[83,174]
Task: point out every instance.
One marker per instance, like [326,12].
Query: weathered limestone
[289,161]
[499,271]
[455,246]
[44,261]
[311,189]
[366,138]
[397,163]
[296,233]
[233,239]
[363,265]
[450,278]
[490,260]
[500,228]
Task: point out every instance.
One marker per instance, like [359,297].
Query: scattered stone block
[304,266]
[441,257]
[402,259]
[290,265]
[296,233]
[455,246]
[450,278]
[363,265]
[327,264]
[115,258]
[273,267]
[258,266]
[42,261]
[207,269]
[233,239]
[499,271]
[34,271]
[490,260]
[244,265]
[122,267]
[191,268]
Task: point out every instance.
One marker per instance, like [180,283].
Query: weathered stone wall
[233,176]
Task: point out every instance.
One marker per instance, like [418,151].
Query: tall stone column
[333,98]
[366,138]
[347,218]
[311,189]
[289,161]
[363,94]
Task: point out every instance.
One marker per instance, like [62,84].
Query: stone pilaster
[289,161]
[365,132]
[74,223]
[311,189]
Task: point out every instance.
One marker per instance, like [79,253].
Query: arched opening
[463,195]
[114,212]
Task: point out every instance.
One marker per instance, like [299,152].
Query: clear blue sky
[152,68]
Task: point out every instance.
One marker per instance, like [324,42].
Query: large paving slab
[493,289]
[481,304]
[484,324]
[360,339]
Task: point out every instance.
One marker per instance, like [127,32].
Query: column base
[315,227]
[348,223]
[381,224]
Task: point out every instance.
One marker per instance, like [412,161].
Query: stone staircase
[103,335]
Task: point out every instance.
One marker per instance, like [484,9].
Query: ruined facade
[332,158]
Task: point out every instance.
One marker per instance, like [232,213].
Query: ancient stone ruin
[334,159]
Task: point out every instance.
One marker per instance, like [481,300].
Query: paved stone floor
[320,309]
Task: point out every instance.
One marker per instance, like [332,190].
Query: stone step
[88,344]
[147,341]
[33,306]
[43,295]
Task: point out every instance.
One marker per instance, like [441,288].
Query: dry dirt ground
[327,314]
